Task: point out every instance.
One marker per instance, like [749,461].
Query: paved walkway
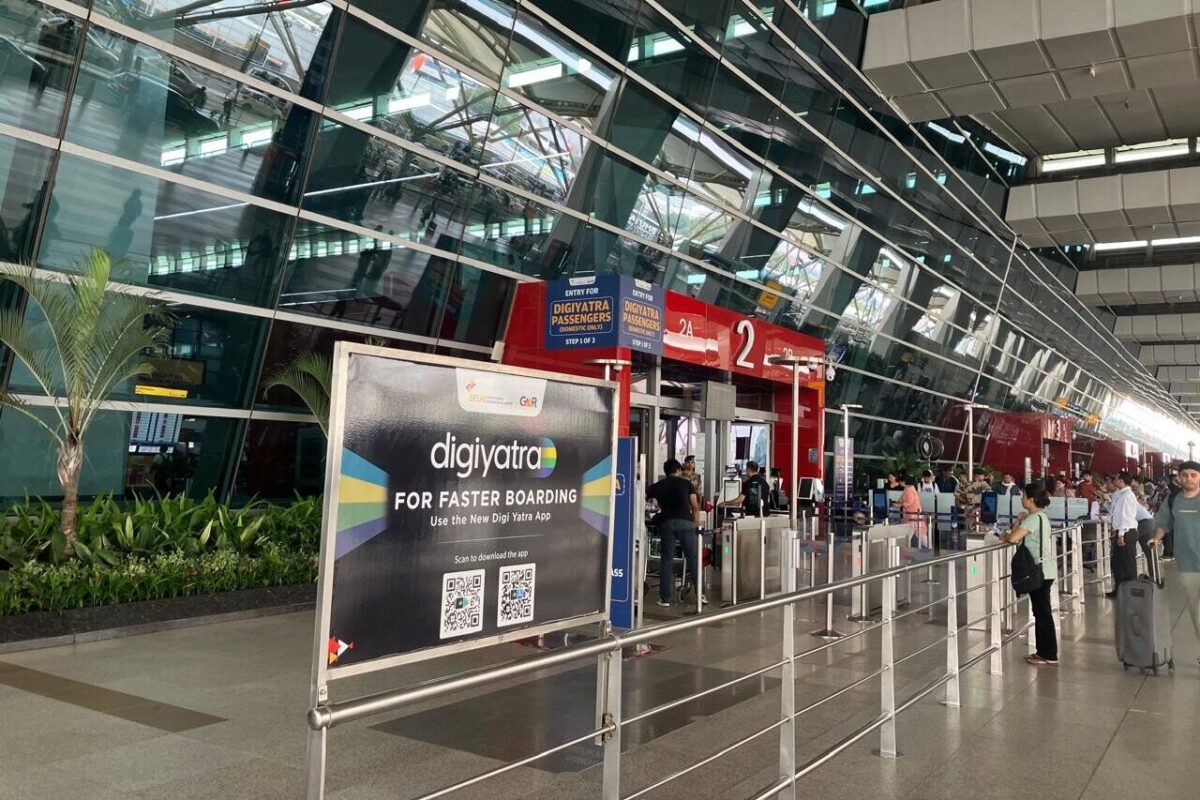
[218,711]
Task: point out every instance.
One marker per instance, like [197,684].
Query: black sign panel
[470,504]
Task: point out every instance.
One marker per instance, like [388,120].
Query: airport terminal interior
[599,399]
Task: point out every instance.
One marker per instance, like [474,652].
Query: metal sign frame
[323,673]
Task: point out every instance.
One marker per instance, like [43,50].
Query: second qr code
[516,594]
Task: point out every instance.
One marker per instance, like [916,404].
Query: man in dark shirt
[678,518]
[756,493]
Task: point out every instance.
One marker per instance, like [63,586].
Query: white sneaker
[664,604]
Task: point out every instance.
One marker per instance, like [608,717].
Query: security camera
[830,373]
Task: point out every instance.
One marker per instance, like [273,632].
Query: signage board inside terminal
[604,311]
[468,504]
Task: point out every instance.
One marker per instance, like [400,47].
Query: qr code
[462,603]
[516,594]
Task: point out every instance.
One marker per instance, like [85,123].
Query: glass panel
[475,307]
[356,278]
[164,235]
[164,112]
[211,357]
[474,33]
[283,44]
[280,460]
[38,49]
[23,168]
[532,151]
[409,92]
[367,181]
[120,455]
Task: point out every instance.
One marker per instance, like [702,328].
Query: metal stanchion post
[1077,577]
[930,575]
[1106,558]
[762,558]
[787,732]
[611,778]
[952,693]
[828,632]
[699,571]
[995,625]
[860,606]
[887,679]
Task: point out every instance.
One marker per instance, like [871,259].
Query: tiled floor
[218,712]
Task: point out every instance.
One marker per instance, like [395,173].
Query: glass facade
[288,175]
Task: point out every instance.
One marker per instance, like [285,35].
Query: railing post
[762,558]
[995,561]
[787,733]
[1106,557]
[952,693]
[829,632]
[1031,631]
[611,780]
[887,679]
[860,598]
[1077,569]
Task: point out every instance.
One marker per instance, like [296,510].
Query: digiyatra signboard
[466,505]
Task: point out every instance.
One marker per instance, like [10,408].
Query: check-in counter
[750,558]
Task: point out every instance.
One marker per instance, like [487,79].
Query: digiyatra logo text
[468,458]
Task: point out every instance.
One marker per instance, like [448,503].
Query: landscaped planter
[100,622]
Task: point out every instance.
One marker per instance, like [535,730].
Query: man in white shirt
[927,486]
[1123,516]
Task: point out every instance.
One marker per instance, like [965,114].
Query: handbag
[1026,572]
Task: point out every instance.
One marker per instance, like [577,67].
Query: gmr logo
[468,457]
[528,402]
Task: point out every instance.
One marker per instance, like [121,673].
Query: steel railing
[1001,618]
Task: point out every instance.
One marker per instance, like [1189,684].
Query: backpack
[1026,571]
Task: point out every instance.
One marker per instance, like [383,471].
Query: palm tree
[309,375]
[93,341]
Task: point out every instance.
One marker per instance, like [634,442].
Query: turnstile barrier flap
[879,533]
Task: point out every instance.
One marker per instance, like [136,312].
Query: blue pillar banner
[621,607]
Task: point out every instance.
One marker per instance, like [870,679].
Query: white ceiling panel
[1060,75]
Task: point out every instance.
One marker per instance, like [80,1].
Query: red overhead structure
[1110,456]
[698,333]
[1044,439]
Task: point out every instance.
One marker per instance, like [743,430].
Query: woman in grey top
[1033,528]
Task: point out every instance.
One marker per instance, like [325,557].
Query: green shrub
[109,531]
[41,586]
[149,549]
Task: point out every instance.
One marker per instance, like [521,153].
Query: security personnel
[970,498]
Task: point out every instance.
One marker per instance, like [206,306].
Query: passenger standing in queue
[678,518]
[1122,514]
[927,486]
[756,493]
[1009,486]
[1034,529]
[910,508]
[970,498]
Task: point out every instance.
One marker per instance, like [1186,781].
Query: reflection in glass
[164,112]
[278,43]
[23,168]
[164,235]
[38,48]
[360,279]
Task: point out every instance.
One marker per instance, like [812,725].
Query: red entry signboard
[699,333]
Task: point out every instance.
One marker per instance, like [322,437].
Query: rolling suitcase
[1143,632]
